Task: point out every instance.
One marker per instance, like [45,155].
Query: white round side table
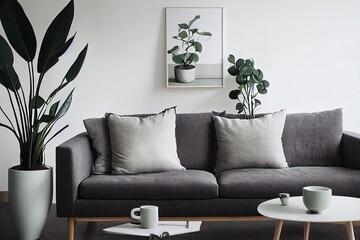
[341,209]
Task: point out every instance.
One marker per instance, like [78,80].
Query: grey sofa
[317,150]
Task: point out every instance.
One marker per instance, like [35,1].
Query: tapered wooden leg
[71,228]
[350,231]
[278,228]
[306,230]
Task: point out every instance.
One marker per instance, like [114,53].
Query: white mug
[147,214]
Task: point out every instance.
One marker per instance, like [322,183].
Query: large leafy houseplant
[251,83]
[33,113]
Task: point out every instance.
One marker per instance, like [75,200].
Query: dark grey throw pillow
[98,131]
[313,139]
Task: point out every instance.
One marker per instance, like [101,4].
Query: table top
[341,209]
[172,227]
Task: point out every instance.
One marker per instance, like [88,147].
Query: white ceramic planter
[184,75]
[30,198]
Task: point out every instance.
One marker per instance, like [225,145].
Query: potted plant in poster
[185,55]
[33,113]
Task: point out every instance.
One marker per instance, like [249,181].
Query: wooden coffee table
[341,209]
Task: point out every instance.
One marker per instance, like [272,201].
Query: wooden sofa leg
[71,228]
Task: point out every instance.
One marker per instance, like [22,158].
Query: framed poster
[194,47]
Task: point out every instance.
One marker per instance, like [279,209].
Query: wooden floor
[4,197]
[55,229]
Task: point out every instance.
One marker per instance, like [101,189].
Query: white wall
[309,51]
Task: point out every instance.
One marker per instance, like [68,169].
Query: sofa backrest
[313,139]
[195,138]
[309,139]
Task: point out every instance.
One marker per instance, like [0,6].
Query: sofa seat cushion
[268,183]
[169,185]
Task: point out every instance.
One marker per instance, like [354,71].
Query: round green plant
[251,83]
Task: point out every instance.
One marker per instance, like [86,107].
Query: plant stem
[7,117]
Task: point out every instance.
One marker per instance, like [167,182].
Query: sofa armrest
[350,145]
[74,163]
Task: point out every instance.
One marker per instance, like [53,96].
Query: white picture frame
[210,67]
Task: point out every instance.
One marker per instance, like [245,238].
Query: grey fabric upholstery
[195,140]
[313,139]
[350,149]
[268,183]
[181,184]
[74,163]
[98,131]
[170,208]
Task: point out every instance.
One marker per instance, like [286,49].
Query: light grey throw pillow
[254,143]
[142,145]
[98,131]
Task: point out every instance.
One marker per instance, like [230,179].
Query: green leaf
[239,62]
[231,59]
[205,34]
[193,20]
[258,74]
[177,58]
[257,102]
[6,55]
[241,79]
[54,108]
[18,29]
[54,58]
[194,30]
[261,89]
[64,107]
[234,94]
[53,93]
[249,62]
[55,35]
[76,66]
[253,79]
[233,71]
[198,47]
[174,49]
[239,107]
[183,34]
[265,83]
[36,102]
[46,119]
[246,69]
[183,26]
[9,79]
[193,57]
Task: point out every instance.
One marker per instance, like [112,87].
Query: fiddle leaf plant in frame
[190,44]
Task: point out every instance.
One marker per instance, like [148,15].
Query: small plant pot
[184,74]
